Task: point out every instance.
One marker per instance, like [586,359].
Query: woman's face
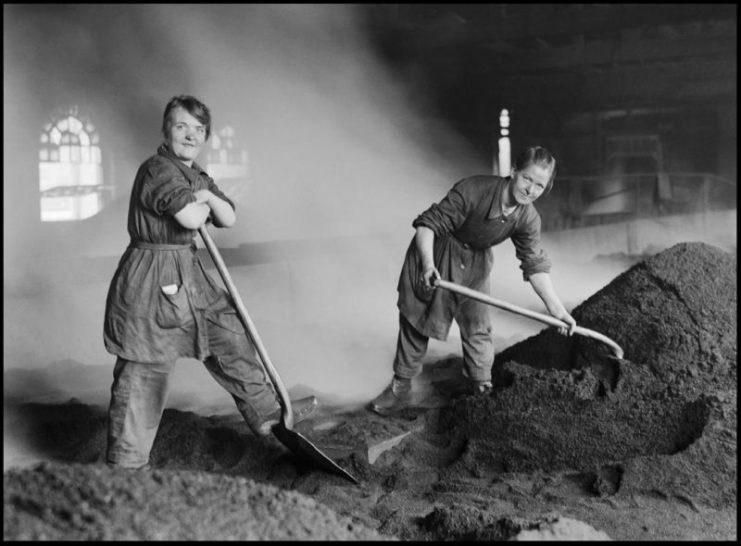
[530,183]
[185,135]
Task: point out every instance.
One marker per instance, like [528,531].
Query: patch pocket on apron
[173,310]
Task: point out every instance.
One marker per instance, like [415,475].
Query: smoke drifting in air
[339,153]
[336,151]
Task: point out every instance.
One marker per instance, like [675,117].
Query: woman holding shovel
[162,305]
[453,241]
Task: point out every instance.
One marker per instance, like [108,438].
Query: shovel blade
[302,447]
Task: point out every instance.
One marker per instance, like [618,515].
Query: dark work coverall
[148,329]
[467,223]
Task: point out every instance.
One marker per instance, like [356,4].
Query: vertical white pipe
[505,153]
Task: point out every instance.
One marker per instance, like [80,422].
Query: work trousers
[139,394]
[475,324]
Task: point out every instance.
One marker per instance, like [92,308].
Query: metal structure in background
[584,201]
[546,58]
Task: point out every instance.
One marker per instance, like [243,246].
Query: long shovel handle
[457,288]
[213,250]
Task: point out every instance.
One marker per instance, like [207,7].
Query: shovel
[284,430]
[457,288]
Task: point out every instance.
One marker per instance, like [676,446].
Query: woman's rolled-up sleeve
[166,190]
[533,258]
[213,188]
[447,215]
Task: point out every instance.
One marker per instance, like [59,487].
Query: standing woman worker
[453,241]
[162,305]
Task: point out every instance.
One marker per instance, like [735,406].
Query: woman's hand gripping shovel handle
[547,319]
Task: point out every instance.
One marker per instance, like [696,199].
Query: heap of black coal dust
[568,430]
[93,502]
[663,419]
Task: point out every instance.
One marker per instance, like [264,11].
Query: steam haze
[337,150]
[343,156]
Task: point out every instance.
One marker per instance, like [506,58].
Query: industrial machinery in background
[636,185]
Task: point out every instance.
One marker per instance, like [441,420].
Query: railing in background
[580,201]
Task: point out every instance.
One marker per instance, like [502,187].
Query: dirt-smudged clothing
[162,306]
[142,323]
[467,223]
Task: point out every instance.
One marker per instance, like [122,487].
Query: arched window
[70,167]
[227,162]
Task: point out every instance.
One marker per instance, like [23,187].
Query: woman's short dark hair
[194,107]
[537,155]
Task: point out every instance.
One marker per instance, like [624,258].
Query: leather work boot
[302,408]
[395,397]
